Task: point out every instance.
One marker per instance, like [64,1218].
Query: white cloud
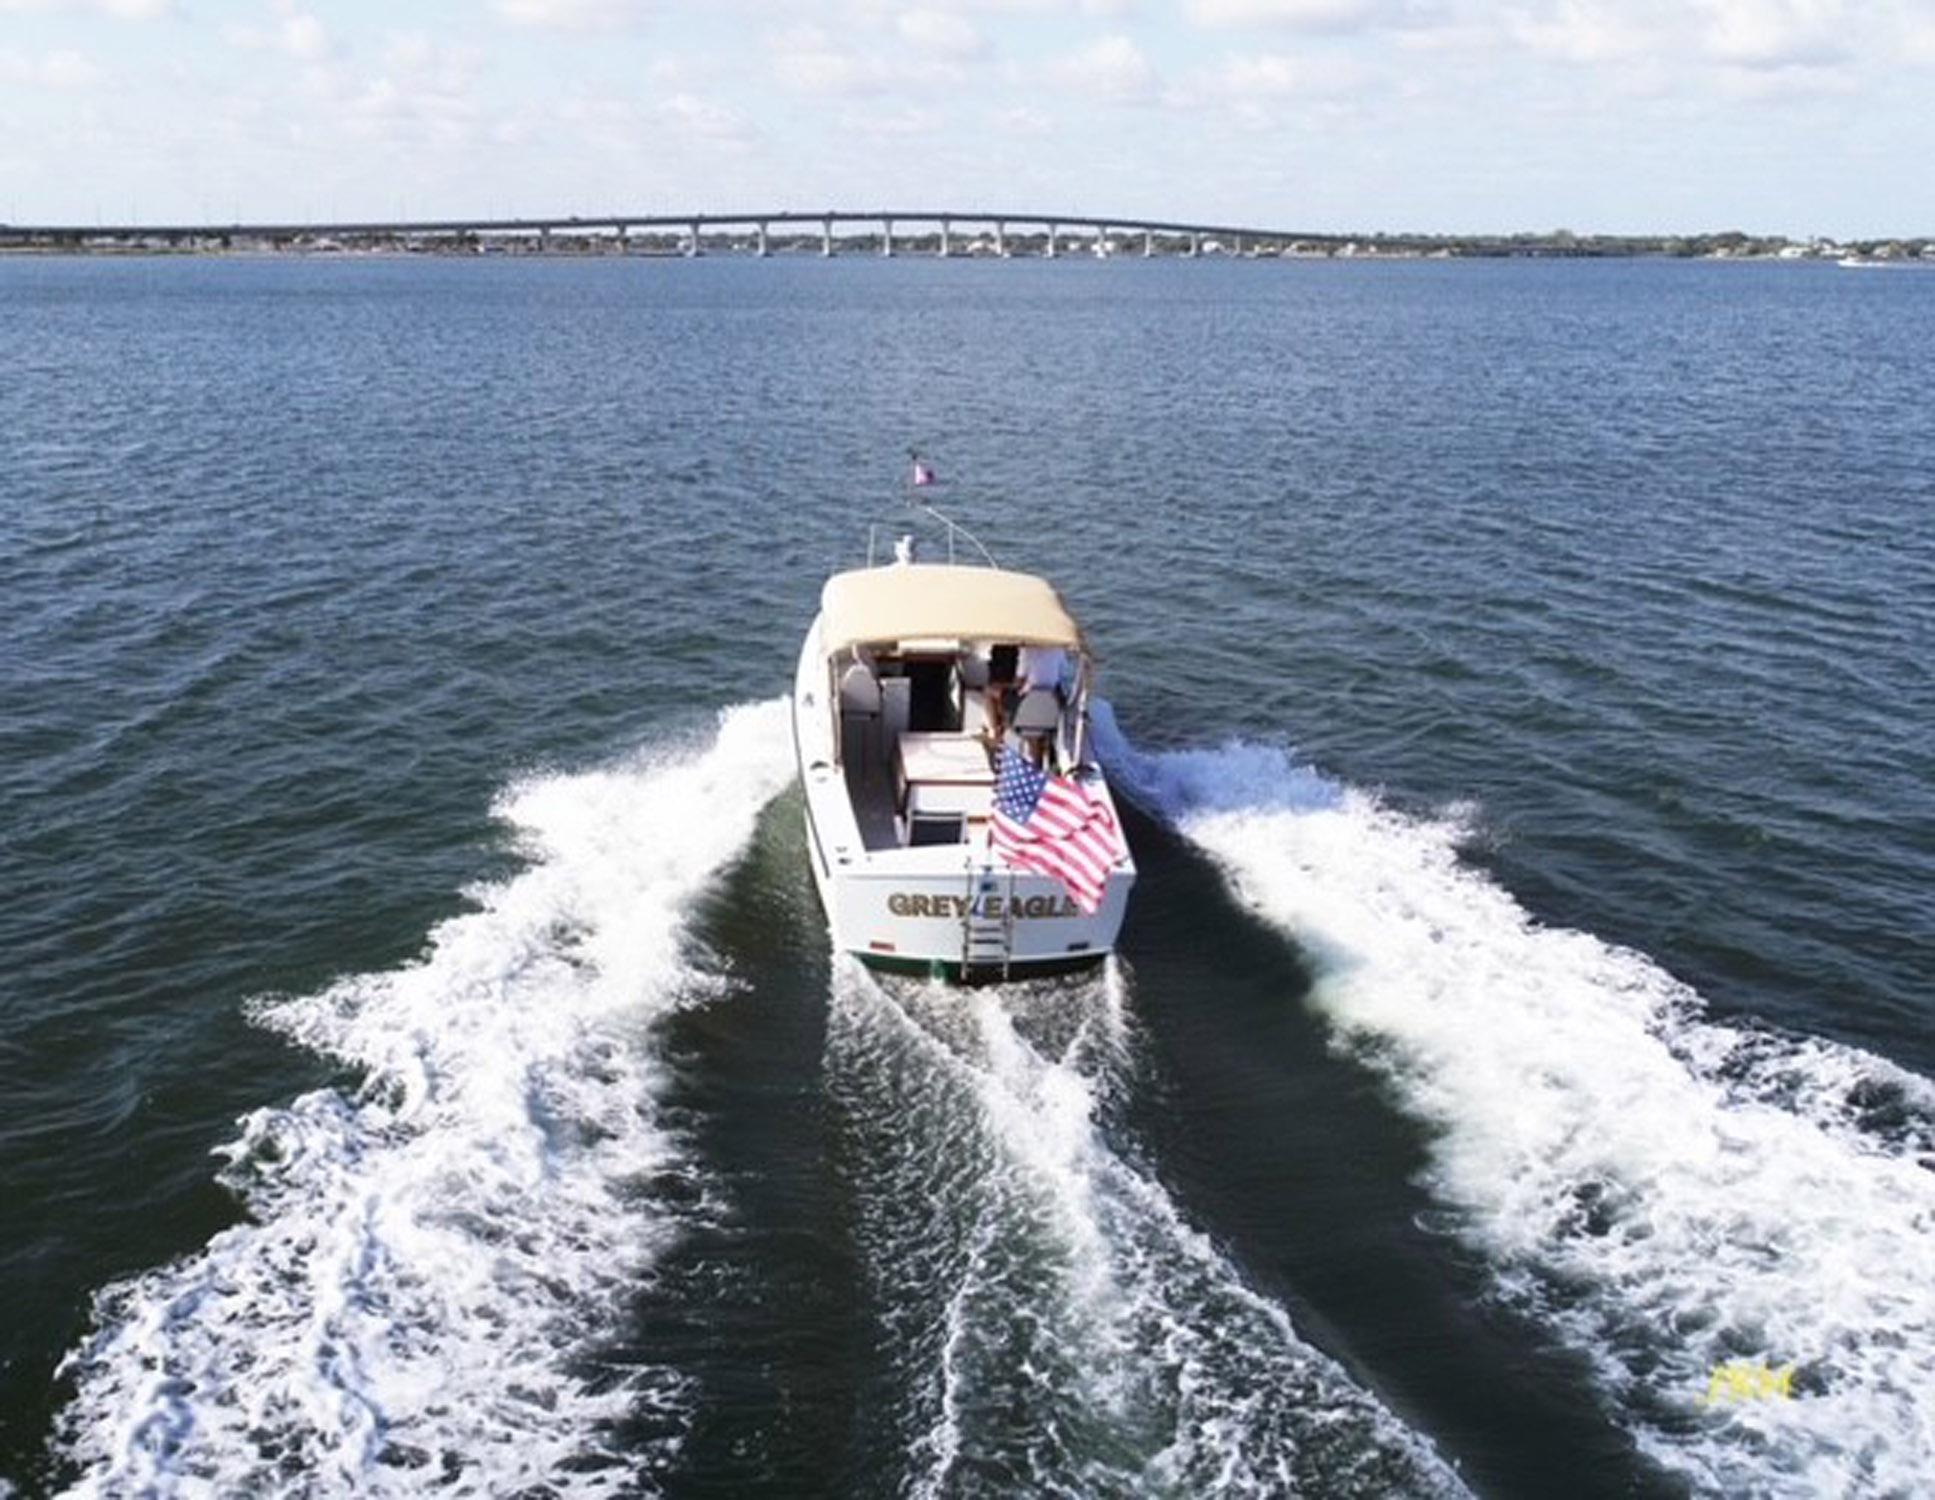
[513,130]
[1786,85]
[573,15]
[942,33]
[63,68]
[703,120]
[614,126]
[1271,73]
[894,124]
[423,94]
[1296,15]
[127,10]
[295,32]
[829,72]
[1099,8]
[1777,33]
[670,71]
[1113,69]
[806,59]
[422,58]
[303,36]
[1023,120]
[1918,39]
[1281,75]
[67,69]
[1585,31]
[809,61]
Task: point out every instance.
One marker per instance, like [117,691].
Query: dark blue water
[423,1067]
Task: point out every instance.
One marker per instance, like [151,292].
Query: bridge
[999,234]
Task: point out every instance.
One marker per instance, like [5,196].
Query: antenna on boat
[923,477]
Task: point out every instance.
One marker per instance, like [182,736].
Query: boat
[957,821]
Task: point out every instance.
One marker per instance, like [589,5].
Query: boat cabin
[931,668]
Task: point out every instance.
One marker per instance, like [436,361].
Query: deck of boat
[870,789]
[867,760]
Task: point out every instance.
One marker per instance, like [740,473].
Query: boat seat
[859,690]
[860,703]
[1039,713]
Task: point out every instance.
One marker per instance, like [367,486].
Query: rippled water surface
[423,1065]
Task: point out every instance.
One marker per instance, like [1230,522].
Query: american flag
[1053,826]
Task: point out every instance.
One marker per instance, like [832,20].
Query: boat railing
[948,523]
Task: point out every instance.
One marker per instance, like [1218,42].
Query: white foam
[1062,1328]
[430,1261]
[1669,1193]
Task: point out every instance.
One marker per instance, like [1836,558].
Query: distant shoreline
[1559,245]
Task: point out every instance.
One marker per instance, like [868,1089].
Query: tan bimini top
[928,601]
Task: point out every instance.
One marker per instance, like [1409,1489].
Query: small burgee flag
[923,473]
[1054,827]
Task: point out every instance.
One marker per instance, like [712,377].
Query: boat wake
[1697,1207]
[431,1261]
[1054,1325]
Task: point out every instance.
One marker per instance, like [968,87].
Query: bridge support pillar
[1195,245]
[624,238]
[887,237]
[1054,233]
[826,236]
[1148,243]
[1000,240]
[947,244]
[762,250]
[544,242]
[1239,247]
[692,243]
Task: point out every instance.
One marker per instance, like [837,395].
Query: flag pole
[923,477]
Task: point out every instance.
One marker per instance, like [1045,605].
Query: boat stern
[983,922]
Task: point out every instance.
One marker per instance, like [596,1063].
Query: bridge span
[941,232]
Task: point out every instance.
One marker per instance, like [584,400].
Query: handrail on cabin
[948,522]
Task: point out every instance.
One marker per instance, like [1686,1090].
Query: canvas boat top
[941,601]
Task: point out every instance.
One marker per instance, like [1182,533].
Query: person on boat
[1014,672]
[1041,670]
[1002,667]
[1045,669]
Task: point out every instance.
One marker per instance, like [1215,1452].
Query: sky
[1798,117]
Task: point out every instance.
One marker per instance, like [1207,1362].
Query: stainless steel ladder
[988,942]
